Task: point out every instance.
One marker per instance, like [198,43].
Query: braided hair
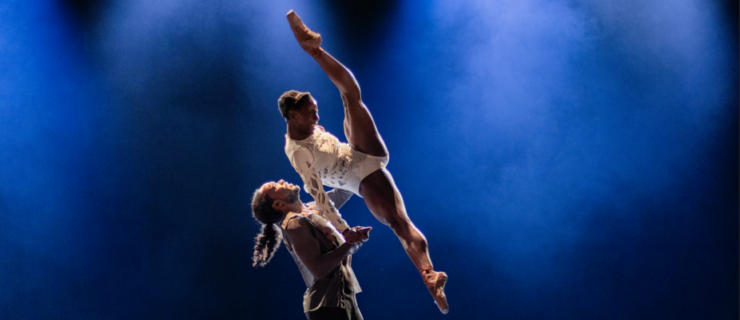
[268,240]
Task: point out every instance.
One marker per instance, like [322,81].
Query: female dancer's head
[299,109]
[270,203]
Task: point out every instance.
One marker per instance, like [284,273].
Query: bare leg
[359,126]
[361,132]
[386,204]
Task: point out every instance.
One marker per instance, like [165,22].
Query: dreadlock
[268,241]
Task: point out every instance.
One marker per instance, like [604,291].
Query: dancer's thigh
[362,134]
[383,198]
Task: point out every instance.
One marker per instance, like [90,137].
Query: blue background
[567,159]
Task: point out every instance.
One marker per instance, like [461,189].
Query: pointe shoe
[435,282]
[308,40]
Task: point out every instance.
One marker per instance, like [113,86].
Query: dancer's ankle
[315,52]
[425,271]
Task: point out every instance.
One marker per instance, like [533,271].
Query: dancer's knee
[398,224]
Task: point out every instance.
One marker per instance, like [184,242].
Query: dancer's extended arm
[301,161]
[339,197]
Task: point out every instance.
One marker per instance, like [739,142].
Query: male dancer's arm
[339,197]
[307,247]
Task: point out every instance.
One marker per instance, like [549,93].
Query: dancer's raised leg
[359,127]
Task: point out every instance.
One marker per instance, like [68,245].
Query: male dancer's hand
[351,236]
[363,232]
[357,234]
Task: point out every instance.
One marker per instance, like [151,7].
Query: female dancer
[357,166]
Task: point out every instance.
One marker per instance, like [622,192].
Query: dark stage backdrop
[568,159]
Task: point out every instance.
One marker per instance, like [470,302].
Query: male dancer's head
[270,204]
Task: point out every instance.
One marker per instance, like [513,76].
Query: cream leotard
[322,159]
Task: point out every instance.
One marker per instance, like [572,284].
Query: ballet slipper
[308,40]
[435,282]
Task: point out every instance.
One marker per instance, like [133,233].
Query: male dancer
[357,166]
[321,253]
